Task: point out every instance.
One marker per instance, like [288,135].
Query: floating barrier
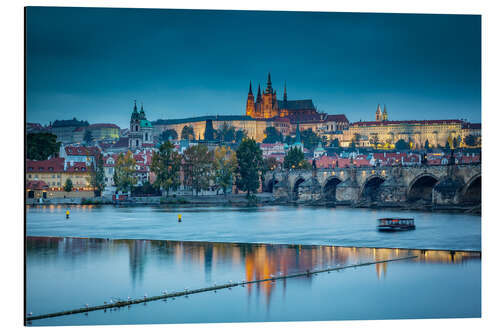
[215,287]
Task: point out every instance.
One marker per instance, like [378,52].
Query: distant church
[141,130]
[266,105]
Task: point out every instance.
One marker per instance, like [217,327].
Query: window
[136,128]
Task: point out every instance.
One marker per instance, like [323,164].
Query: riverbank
[260,199]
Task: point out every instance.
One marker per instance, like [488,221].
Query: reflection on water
[78,264]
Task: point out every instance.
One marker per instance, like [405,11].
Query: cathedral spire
[250,89]
[135,105]
[284,94]
[259,97]
[269,88]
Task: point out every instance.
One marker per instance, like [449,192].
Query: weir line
[120,303]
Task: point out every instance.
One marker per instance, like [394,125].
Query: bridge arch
[420,188]
[371,187]
[270,184]
[295,189]
[329,188]
[471,194]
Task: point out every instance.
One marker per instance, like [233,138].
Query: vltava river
[271,225]
[103,252]
[66,273]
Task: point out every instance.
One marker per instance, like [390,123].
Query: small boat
[396,224]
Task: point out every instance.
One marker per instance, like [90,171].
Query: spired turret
[384,114]
[142,114]
[378,114]
[135,115]
[250,109]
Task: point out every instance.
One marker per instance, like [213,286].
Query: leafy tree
[374,140]
[40,146]
[402,145]
[197,167]
[470,140]
[426,146]
[272,135]
[225,165]
[166,165]
[87,137]
[209,130]
[455,143]
[124,172]
[250,162]
[97,177]
[226,133]
[168,134]
[240,135]
[68,185]
[294,159]
[187,133]
[335,143]
[447,145]
[309,138]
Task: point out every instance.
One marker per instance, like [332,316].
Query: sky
[92,63]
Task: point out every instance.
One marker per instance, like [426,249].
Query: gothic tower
[284,109]
[384,114]
[378,114]
[250,103]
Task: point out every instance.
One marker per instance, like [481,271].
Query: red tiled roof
[77,167]
[82,151]
[52,165]
[36,185]
[411,122]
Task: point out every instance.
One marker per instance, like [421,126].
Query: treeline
[199,168]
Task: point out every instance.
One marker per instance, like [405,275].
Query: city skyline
[184,63]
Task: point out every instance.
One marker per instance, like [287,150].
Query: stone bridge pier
[442,185]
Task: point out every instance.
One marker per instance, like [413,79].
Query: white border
[11,109]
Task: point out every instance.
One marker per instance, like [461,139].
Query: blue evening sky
[91,63]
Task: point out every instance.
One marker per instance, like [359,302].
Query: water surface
[270,224]
[65,273]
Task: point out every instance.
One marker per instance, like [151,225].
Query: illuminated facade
[384,133]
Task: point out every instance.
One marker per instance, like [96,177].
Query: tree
[289,140]
[470,140]
[272,135]
[169,134]
[225,165]
[309,138]
[240,135]
[97,177]
[447,145]
[455,143]
[166,165]
[197,167]
[374,140]
[124,172]
[294,159]
[250,162]
[335,143]
[40,146]
[68,185]
[402,145]
[226,133]
[209,131]
[426,146]
[187,133]
[87,137]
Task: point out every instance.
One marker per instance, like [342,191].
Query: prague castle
[266,110]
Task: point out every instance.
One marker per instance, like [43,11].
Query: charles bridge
[436,185]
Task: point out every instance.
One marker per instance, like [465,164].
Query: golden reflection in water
[257,261]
